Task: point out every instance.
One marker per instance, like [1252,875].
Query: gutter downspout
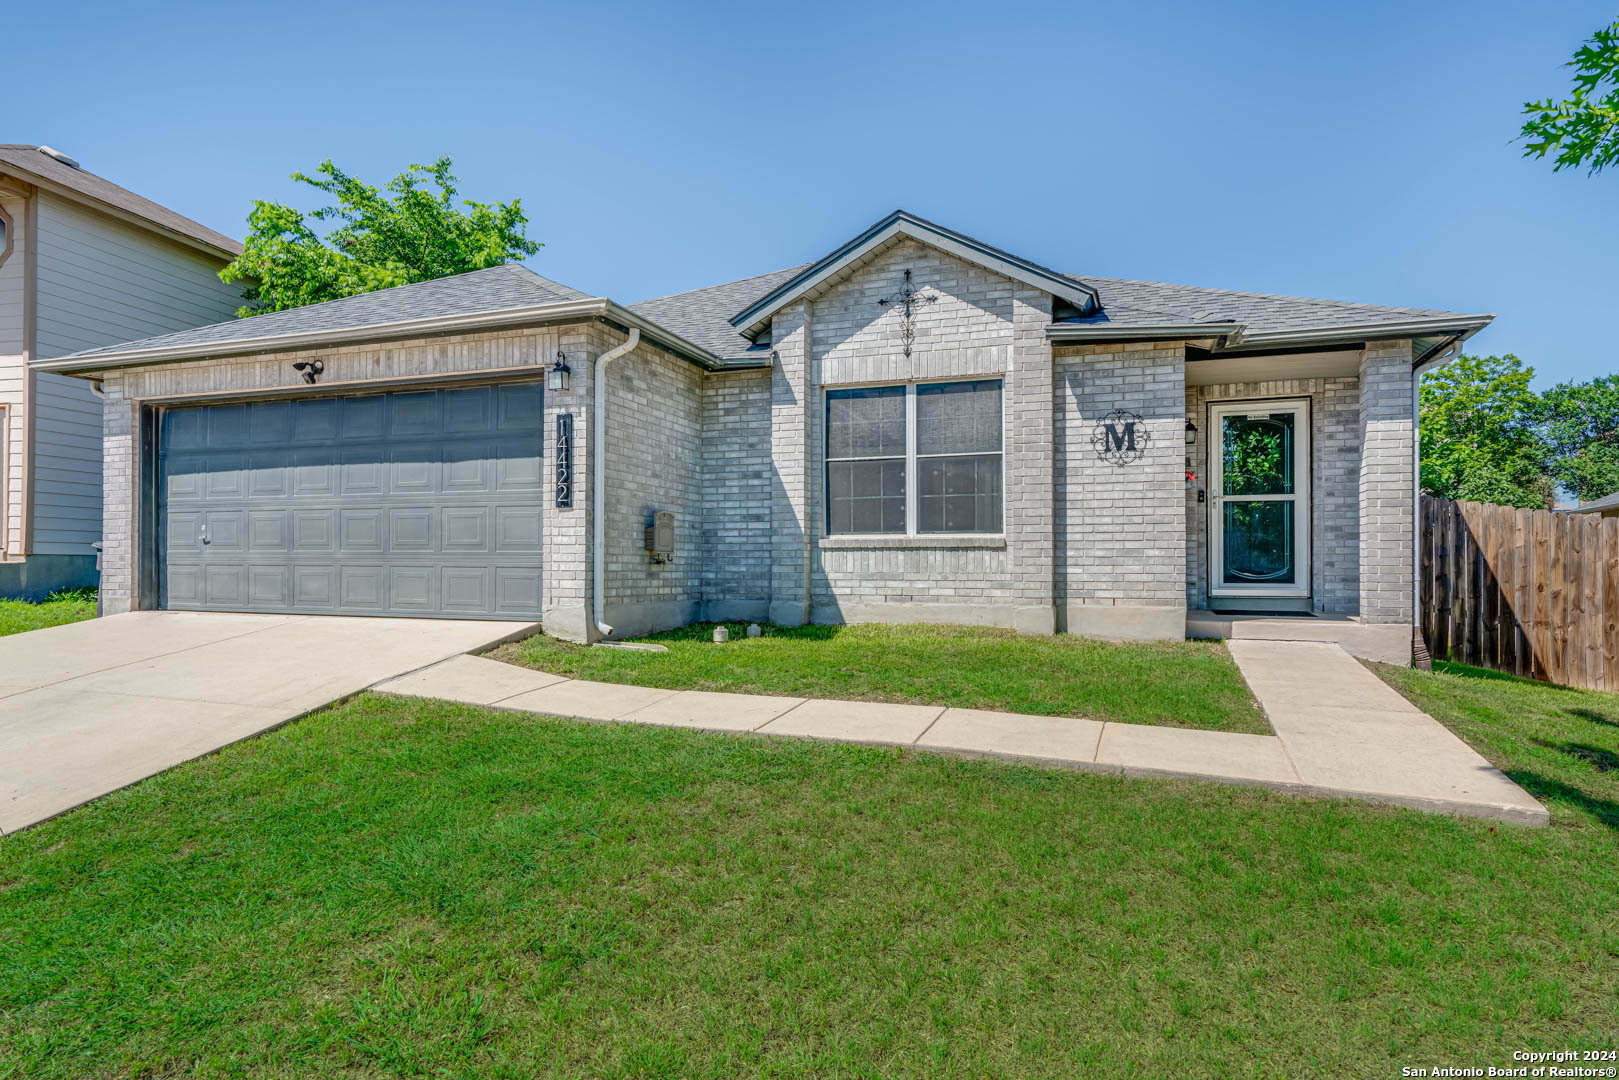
[1442,357]
[598,482]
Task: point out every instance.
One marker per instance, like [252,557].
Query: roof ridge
[1255,295]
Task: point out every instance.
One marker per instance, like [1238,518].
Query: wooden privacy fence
[1529,592]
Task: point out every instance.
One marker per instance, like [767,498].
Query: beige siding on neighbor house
[11,379]
[101,282]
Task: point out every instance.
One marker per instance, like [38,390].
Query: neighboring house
[83,263]
[917,427]
[1607,507]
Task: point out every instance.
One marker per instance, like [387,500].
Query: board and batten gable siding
[12,274]
[100,282]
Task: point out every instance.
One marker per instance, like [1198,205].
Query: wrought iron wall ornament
[906,300]
[1121,437]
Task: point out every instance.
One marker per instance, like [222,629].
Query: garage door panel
[403,503]
[314,587]
[269,586]
[517,530]
[360,588]
[224,532]
[414,414]
[517,590]
[465,529]
[469,411]
[269,532]
[465,589]
[315,420]
[269,423]
[410,588]
[314,531]
[413,469]
[519,408]
[362,472]
[410,529]
[224,584]
[359,531]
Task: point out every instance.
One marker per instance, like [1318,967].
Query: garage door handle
[204,536]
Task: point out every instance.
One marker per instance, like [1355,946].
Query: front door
[1259,527]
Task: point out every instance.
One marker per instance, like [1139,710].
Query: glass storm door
[1259,532]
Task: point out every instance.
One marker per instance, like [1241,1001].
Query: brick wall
[1334,485]
[1387,510]
[736,495]
[1121,529]
[655,429]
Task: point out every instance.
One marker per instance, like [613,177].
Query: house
[1607,507]
[83,263]
[916,427]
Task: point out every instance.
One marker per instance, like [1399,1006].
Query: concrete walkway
[91,707]
[1340,730]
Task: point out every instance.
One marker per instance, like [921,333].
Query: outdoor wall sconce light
[1191,433]
[309,368]
[558,374]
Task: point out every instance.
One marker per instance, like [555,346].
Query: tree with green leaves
[411,229]
[1583,128]
[1579,425]
[1478,433]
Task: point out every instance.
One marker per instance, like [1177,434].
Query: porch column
[793,413]
[1030,464]
[1387,460]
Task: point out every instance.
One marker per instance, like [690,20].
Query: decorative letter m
[1121,440]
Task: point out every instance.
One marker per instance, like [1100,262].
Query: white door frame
[1300,407]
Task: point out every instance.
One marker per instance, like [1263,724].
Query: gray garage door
[410,503]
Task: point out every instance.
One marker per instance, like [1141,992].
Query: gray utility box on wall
[660,536]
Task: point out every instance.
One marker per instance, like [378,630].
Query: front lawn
[70,605]
[1179,683]
[400,887]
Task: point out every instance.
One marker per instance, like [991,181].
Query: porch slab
[470,679]
[1030,738]
[1385,643]
[856,721]
[707,711]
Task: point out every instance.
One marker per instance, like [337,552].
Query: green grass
[1181,683]
[410,888]
[1560,744]
[70,605]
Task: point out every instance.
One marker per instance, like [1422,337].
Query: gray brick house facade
[917,427]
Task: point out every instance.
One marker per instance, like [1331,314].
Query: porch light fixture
[558,374]
[1191,433]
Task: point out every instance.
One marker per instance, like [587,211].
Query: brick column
[1029,490]
[120,502]
[792,412]
[1387,458]
[565,579]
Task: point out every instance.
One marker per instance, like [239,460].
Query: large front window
[919,458]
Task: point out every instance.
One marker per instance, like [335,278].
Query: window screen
[865,460]
[958,457]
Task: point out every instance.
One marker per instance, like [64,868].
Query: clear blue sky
[1354,152]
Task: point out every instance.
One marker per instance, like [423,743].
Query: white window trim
[1304,464]
[912,494]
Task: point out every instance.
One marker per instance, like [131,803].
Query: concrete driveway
[89,708]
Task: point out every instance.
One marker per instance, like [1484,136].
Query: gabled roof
[890,229]
[39,168]
[704,315]
[500,296]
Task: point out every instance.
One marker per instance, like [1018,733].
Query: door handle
[204,535]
